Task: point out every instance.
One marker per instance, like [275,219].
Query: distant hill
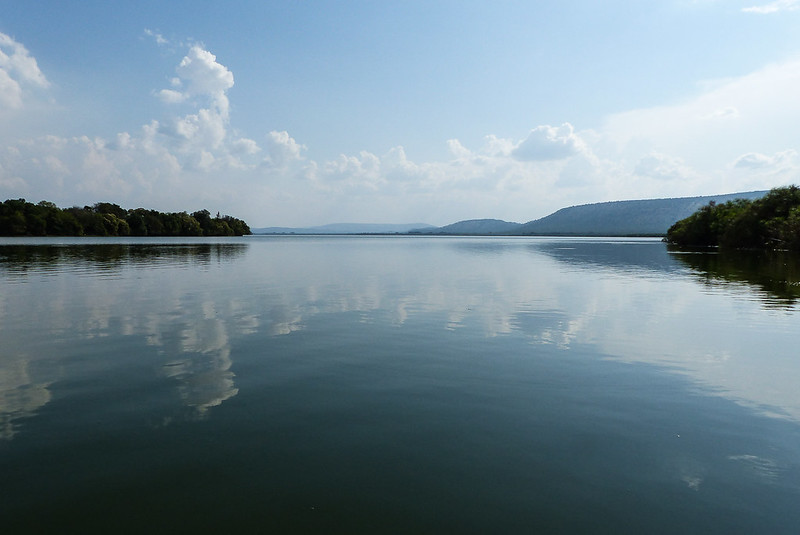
[483,227]
[346,228]
[624,218]
[649,217]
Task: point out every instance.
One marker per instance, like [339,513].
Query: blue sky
[308,112]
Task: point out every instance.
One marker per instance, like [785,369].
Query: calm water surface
[396,385]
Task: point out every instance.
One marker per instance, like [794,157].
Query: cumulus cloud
[496,146]
[10,91]
[398,168]
[282,150]
[172,161]
[761,171]
[363,170]
[166,160]
[549,143]
[457,149]
[700,146]
[170,96]
[18,70]
[82,164]
[773,7]
[754,160]
[245,146]
[202,140]
[201,75]
[206,128]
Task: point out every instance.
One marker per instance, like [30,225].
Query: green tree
[63,223]
[109,208]
[136,222]
[772,222]
[21,218]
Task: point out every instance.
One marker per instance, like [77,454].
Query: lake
[397,385]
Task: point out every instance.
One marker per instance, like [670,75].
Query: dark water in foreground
[396,385]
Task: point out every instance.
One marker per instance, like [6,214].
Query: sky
[304,112]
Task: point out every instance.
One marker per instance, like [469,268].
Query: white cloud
[20,62]
[699,138]
[398,168]
[206,128]
[732,135]
[282,150]
[165,161]
[549,143]
[363,170]
[245,146]
[202,75]
[18,70]
[201,139]
[10,91]
[170,96]
[774,7]
[160,39]
[457,149]
[753,160]
[495,146]
[780,169]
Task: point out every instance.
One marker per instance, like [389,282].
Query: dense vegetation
[771,222]
[21,218]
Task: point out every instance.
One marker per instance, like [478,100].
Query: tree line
[771,222]
[21,218]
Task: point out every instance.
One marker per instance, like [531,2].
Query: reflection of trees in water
[623,256]
[23,259]
[776,274]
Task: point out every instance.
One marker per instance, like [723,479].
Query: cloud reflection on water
[20,395]
[202,360]
[730,338]
[628,300]
[55,294]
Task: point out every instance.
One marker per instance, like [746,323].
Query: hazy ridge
[647,217]
[624,218]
